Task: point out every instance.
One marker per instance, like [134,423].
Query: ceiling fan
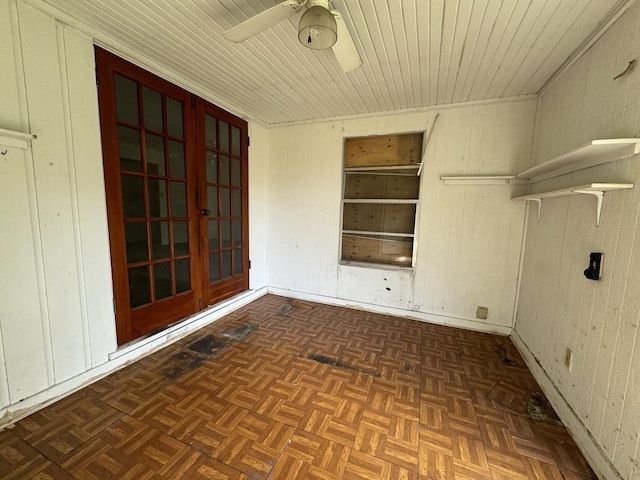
[320,28]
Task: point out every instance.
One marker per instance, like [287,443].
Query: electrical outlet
[482,313]
[568,359]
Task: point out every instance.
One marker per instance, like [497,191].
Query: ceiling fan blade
[262,21]
[344,48]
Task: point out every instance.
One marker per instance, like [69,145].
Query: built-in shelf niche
[380,198]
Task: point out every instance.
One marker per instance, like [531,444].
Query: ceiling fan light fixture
[317,29]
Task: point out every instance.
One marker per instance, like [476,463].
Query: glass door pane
[164,273]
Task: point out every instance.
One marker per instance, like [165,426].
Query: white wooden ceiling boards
[415,53]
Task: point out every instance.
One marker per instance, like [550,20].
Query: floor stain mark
[285,309]
[182,363]
[504,356]
[209,345]
[337,363]
[539,409]
[241,332]
[409,367]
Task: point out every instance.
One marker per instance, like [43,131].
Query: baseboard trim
[397,312]
[581,435]
[124,356]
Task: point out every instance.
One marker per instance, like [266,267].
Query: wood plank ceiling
[415,53]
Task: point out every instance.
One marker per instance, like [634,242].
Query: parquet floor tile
[18,459]
[313,392]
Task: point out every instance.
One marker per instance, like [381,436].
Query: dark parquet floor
[310,392]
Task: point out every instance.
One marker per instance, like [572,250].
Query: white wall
[57,326]
[56,313]
[558,307]
[258,208]
[469,237]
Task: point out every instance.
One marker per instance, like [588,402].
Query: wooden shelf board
[383,168]
[380,200]
[378,234]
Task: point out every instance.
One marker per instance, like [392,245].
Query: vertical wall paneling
[558,307]
[258,203]
[613,442]
[469,237]
[4,381]
[23,310]
[304,187]
[55,203]
[24,341]
[9,118]
[92,252]
[71,167]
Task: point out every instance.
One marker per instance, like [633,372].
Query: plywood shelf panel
[381,187]
[383,150]
[396,252]
[380,200]
[379,218]
[375,233]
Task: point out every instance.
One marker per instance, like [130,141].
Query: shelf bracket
[539,202]
[599,197]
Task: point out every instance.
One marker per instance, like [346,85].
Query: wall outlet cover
[482,313]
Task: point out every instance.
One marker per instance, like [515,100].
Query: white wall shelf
[595,189]
[484,180]
[596,152]
[12,138]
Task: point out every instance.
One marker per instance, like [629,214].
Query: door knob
[206,212]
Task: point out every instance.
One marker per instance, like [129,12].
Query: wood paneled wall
[56,314]
[468,237]
[558,307]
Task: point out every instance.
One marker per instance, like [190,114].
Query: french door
[222,150]
[176,180]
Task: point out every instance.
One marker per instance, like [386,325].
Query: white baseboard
[397,312]
[124,356]
[581,435]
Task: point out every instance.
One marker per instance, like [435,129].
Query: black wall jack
[595,265]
